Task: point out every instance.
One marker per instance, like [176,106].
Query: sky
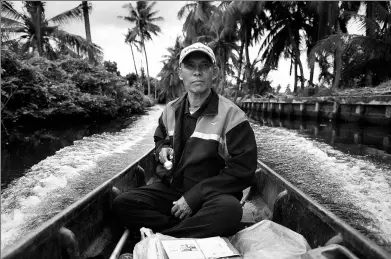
[108,31]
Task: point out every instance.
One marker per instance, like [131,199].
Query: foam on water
[355,188]
[61,179]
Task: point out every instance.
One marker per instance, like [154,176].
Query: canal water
[31,195]
[347,168]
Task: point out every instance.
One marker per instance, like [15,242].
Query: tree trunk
[38,29]
[312,69]
[155,88]
[246,46]
[223,74]
[301,72]
[295,79]
[88,28]
[146,62]
[369,15]
[134,61]
[240,64]
[297,56]
[338,60]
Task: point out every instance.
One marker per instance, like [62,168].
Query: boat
[86,229]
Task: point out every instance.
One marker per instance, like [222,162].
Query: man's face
[197,72]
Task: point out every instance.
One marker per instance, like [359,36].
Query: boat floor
[254,210]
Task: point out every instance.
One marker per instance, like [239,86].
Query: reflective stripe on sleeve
[206,136]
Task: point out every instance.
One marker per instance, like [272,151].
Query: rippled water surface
[61,179]
[345,169]
[355,185]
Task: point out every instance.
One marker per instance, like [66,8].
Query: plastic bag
[267,240]
[149,247]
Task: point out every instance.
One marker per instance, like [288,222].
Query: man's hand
[181,209]
[166,154]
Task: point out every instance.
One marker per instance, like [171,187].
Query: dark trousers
[150,206]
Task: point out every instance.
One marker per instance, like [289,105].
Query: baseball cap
[198,46]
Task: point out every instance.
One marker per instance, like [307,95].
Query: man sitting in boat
[213,152]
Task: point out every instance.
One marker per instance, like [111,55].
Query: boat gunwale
[348,233]
[50,227]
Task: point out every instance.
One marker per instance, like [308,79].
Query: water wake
[353,187]
[59,180]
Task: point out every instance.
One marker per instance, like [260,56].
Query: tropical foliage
[143,16]
[41,92]
[286,30]
[39,54]
[31,32]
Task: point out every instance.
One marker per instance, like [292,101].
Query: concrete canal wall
[371,109]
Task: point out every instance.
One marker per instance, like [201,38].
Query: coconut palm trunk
[38,28]
[338,59]
[240,64]
[146,63]
[134,61]
[295,79]
[88,28]
[246,47]
[297,56]
[369,16]
[312,69]
[223,73]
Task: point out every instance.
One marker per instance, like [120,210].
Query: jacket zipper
[179,163]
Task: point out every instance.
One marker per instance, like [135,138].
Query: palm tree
[170,82]
[130,38]
[144,17]
[36,32]
[197,15]
[373,51]
[222,39]
[257,80]
[285,22]
[332,27]
[250,15]
[86,9]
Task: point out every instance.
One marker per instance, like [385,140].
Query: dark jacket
[219,158]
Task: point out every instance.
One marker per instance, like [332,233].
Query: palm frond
[128,6]
[130,19]
[8,22]
[65,17]
[326,45]
[362,22]
[153,28]
[381,13]
[77,42]
[186,8]
[272,34]
[148,9]
[7,9]
[156,19]
[15,29]
[372,48]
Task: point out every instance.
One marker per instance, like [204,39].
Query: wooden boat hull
[87,229]
[290,207]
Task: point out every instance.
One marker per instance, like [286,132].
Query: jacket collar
[211,108]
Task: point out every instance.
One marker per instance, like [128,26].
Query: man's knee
[118,203]
[124,201]
[229,212]
[229,205]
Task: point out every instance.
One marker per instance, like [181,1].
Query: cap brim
[197,50]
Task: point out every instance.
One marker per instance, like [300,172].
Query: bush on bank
[39,92]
